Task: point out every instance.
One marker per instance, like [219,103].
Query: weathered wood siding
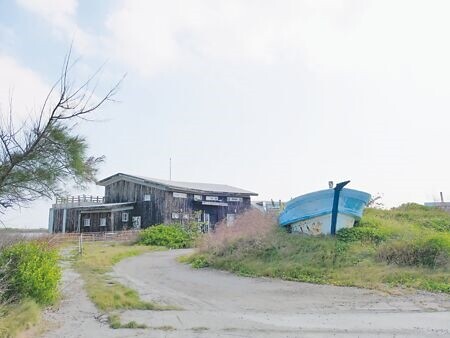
[159,209]
[189,206]
[95,222]
[163,204]
[71,220]
[151,212]
[113,220]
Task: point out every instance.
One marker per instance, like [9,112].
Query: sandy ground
[220,304]
[76,315]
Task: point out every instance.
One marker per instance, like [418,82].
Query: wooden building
[138,202]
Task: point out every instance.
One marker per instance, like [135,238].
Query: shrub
[170,236]
[363,234]
[431,252]
[423,216]
[250,229]
[30,270]
[199,262]
[368,221]
[9,238]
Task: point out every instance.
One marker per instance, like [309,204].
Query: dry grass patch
[107,294]
[15,318]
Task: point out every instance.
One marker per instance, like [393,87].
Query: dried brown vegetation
[252,226]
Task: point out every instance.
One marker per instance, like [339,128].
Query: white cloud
[26,89]
[59,12]
[381,39]
[398,38]
[153,36]
[61,15]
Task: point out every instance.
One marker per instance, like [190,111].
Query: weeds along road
[220,304]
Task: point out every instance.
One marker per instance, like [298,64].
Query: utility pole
[170,168]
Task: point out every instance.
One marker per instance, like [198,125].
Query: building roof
[178,186]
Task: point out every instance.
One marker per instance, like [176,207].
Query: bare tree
[375,202]
[39,156]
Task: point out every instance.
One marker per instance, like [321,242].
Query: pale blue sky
[277,97]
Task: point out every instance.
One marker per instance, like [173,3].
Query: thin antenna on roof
[170,168]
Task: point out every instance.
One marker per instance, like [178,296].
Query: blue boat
[325,211]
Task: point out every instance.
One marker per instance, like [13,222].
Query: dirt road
[220,304]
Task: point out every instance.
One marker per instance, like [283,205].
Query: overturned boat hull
[313,213]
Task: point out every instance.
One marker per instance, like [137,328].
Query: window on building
[103,222]
[197,215]
[212,198]
[147,197]
[87,222]
[124,216]
[137,222]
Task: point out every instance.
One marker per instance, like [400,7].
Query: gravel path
[219,304]
[76,316]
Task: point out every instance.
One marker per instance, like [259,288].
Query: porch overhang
[217,204]
[107,207]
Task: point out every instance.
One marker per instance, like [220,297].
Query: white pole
[80,244]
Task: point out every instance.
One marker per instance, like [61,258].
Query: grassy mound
[407,246]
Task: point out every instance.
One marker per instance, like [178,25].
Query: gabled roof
[201,188]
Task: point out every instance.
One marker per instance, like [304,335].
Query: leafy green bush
[170,236]
[199,262]
[362,234]
[30,270]
[368,221]
[431,252]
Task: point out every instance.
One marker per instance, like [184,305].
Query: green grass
[16,318]
[115,323]
[107,294]
[29,274]
[404,247]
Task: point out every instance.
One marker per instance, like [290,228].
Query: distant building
[441,205]
[267,206]
[138,202]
